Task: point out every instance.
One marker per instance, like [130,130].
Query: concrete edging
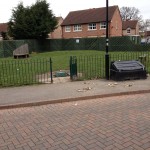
[39,103]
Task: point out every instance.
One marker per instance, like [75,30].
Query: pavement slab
[65,90]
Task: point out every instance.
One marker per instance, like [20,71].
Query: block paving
[114,123]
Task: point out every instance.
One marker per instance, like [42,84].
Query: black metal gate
[73,67]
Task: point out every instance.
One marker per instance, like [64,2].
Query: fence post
[51,70]
[107,44]
[73,67]
[107,66]
[3,49]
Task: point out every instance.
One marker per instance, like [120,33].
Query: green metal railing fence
[25,72]
[93,67]
[16,72]
[73,67]
[88,67]
[143,57]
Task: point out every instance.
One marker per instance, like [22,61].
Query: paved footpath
[112,123]
[69,91]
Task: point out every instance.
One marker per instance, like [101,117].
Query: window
[128,31]
[103,25]
[77,28]
[67,28]
[92,26]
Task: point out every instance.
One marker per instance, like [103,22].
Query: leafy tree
[34,22]
[16,26]
[4,35]
[130,13]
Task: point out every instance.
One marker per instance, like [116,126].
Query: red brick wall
[84,33]
[137,29]
[133,31]
[116,24]
[57,34]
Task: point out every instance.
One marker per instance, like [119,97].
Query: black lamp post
[107,45]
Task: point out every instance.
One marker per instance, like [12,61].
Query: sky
[63,7]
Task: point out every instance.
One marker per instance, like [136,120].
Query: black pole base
[107,66]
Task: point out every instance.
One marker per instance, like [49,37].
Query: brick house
[92,23]
[147,36]
[57,34]
[130,27]
[3,29]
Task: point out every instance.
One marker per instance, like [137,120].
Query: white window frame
[67,28]
[77,28]
[128,30]
[102,25]
[92,26]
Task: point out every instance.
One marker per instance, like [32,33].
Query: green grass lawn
[29,70]
[60,59]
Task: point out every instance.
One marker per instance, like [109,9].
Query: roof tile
[129,24]
[89,16]
[3,27]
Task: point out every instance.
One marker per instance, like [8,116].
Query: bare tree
[130,13]
[145,25]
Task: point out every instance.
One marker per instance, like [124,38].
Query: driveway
[114,123]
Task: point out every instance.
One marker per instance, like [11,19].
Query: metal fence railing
[24,72]
[90,67]
[93,67]
[143,57]
[16,72]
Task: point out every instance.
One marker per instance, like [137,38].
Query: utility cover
[128,65]
[127,70]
